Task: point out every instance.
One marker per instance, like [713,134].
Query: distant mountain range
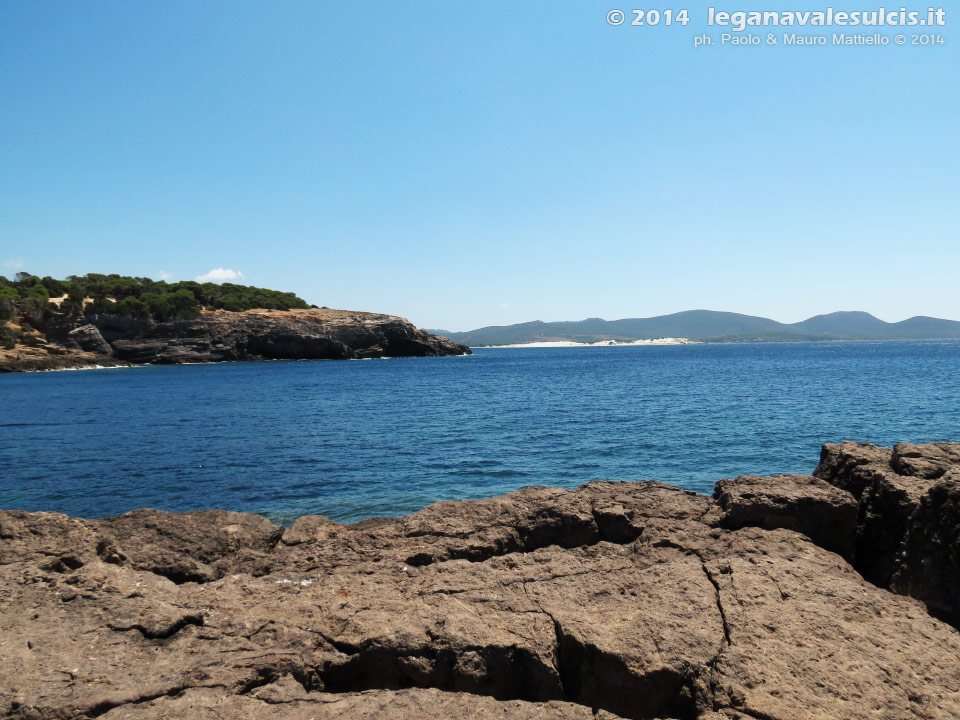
[711,326]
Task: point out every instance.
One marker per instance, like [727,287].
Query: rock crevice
[908,517]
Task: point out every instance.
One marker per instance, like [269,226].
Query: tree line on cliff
[30,295]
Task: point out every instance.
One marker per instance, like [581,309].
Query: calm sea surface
[385,437]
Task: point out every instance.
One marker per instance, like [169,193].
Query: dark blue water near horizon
[355,439]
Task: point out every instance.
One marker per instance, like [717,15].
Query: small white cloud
[164,275]
[503,306]
[219,275]
[15,263]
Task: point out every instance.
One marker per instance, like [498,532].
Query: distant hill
[844,323]
[712,326]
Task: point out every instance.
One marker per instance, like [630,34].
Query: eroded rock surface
[617,600]
[191,546]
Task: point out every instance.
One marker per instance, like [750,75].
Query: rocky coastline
[833,595]
[107,340]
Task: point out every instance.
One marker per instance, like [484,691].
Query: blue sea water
[386,437]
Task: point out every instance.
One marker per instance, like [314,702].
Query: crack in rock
[105,707]
[162,633]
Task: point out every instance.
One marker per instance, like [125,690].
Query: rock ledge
[629,600]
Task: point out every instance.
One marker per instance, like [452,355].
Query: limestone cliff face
[221,335]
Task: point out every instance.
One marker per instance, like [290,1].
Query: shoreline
[683,341]
[601,343]
[7,369]
[616,600]
[65,340]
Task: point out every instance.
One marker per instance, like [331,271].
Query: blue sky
[467,164]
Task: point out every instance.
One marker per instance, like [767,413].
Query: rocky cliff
[630,600]
[84,340]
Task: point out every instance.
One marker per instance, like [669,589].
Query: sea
[358,439]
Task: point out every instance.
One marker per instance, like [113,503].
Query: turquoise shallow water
[386,437]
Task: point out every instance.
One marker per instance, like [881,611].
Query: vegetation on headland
[29,296]
[140,296]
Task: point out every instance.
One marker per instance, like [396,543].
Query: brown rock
[929,565]
[52,357]
[907,529]
[887,502]
[813,507]
[852,466]
[808,638]
[52,540]
[930,461]
[188,547]
[415,704]
[311,528]
[628,600]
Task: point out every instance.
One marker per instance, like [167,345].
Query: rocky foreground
[215,336]
[792,597]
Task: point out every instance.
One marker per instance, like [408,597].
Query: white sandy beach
[602,343]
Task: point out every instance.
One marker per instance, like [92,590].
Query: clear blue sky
[467,164]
